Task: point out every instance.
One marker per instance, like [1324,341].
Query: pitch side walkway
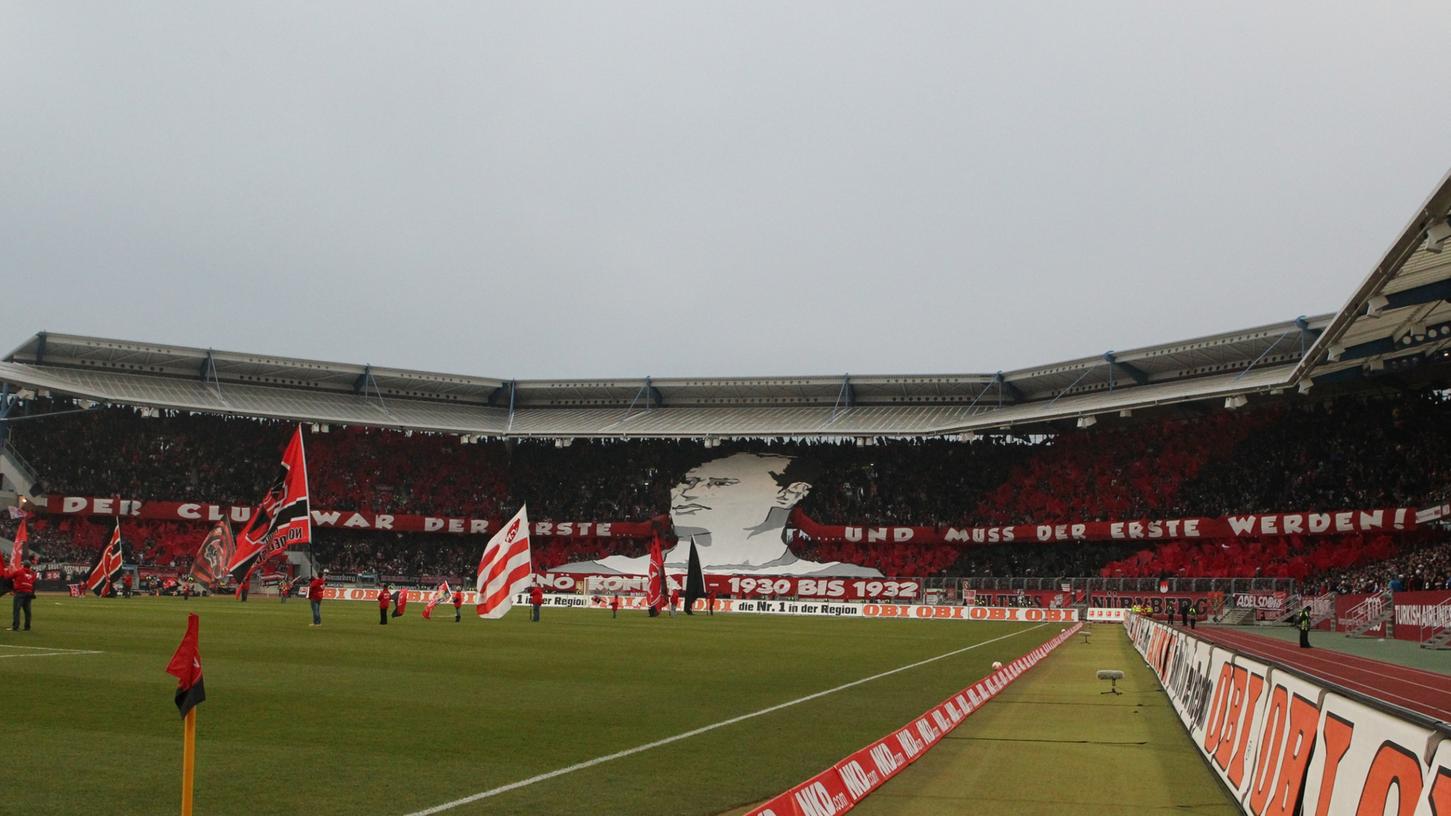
[1389,650]
[1422,691]
[1052,744]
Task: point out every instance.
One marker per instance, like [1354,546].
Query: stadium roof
[1398,319]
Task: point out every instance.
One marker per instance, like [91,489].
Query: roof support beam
[1307,334]
[40,348]
[1007,389]
[845,398]
[1129,370]
[360,385]
[1440,290]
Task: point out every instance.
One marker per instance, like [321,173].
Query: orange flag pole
[188,761]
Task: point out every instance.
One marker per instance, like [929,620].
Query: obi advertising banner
[841,787]
[806,608]
[1285,745]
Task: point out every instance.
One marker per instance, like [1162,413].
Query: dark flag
[283,518]
[186,667]
[214,555]
[694,579]
[108,566]
[400,602]
[656,588]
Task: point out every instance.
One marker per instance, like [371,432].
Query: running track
[1425,692]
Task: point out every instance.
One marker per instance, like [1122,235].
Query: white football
[997,665]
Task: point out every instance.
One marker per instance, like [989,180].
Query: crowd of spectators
[1425,566]
[1328,454]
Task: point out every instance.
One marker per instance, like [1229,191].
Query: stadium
[1126,491]
[1204,576]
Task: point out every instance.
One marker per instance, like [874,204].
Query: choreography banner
[1252,525]
[346,519]
[745,586]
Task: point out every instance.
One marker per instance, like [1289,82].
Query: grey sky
[542,189]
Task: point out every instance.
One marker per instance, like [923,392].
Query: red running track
[1425,692]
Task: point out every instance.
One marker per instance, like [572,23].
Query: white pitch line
[48,651]
[50,654]
[51,649]
[600,760]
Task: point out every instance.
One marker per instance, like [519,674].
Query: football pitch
[354,717]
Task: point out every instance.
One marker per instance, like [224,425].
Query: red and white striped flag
[439,596]
[505,568]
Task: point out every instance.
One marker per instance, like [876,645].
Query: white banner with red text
[841,787]
[1254,525]
[342,519]
[1378,520]
[1282,744]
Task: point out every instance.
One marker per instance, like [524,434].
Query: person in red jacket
[385,597]
[458,605]
[614,606]
[536,600]
[22,580]
[315,589]
[674,601]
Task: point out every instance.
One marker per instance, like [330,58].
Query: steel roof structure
[1398,319]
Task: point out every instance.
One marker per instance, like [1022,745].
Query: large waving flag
[17,550]
[439,596]
[694,579]
[657,591]
[108,566]
[214,555]
[505,567]
[283,519]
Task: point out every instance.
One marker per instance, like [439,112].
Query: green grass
[354,717]
[1053,743]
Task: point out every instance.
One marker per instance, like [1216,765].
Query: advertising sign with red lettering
[1282,744]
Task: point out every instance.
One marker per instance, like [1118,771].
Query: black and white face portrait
[735,508]
[727,502]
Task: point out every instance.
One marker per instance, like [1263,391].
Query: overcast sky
[540,189]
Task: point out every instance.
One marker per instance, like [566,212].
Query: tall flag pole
[282,520]
[694,579]
[505,568]
[186,667]
[655,586]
